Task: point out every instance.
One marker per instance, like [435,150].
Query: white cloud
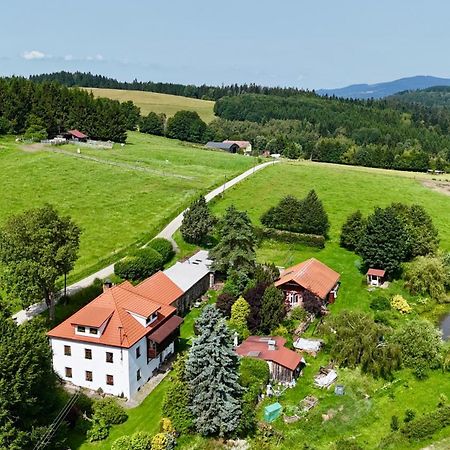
[68,57]
[33,54]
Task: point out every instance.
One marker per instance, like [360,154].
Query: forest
[371,133]
[205,92]
[49,108]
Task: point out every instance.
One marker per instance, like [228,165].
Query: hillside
[381,90]
[117,197]
[437,96]
[159,103]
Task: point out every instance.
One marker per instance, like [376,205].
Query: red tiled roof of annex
[376,272]
[312,275]
[78,134]
[160,286]
[114,306]
[258,347]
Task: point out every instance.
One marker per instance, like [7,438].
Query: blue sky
[310,44]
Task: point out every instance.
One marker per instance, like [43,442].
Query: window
[138,374]
[109,357]
[93,330]
[138,352]
[68,372]
[81,329]
[110,380]
[88,353]
[88,375]
[152,318]
[67,350]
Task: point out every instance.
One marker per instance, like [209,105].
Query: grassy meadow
[125,195]
[159,103]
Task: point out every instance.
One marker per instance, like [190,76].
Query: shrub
[380,303]
[410,414]
[141,264]
[400,304]
[247,423]
[163,441]
[122,443]
[347,444]
[425,426]
[109,411]
[298,313]
[224,302]
[163,247]
[165,425]
[394,423]
[253,372]
[141,441]
[239,314]
[290,237]
[98,431]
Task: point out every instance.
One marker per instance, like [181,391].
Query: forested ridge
[205,92]
[53,108]
[385,133]
[436,97]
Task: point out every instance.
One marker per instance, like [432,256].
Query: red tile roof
[242,144]
[161,287]
[78,134]
[312,275]
[258,347]
[122,329]
[376,272]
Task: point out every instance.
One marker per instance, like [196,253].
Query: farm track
[120,164]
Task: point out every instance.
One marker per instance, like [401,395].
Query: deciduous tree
[197,222]
[352,231]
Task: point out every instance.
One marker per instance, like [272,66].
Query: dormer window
[93,330]
[151,319]
[81,329]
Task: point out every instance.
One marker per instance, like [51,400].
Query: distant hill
[381,90]
[159,103]
[437,96]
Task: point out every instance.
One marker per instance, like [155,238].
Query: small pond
[445,326]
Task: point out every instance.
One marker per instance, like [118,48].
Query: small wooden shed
[375,277]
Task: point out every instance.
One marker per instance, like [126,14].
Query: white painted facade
[124,366]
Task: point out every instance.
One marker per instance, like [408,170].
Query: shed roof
[242,144]
[78,134]
[258,347]
[221,145]
[376,272]
[312,275]
[166,329]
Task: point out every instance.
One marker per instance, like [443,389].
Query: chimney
[107,284]
[272,345]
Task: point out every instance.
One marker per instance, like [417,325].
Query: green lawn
[159,103]
[115,206]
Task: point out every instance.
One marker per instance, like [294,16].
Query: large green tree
[240,310]
[384,244]
[273,309]
[26,382]
[356,340]
[212,371]
[421,346]
[314,217]
[197,222]
[186,126]
[352,231]
[36,248]
[236,247]
[153,124]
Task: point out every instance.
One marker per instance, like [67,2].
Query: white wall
[123,368]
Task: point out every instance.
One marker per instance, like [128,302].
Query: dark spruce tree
[352,231]
[236,247]
[273,309]
[314,217]
[212,371]
[385,242]
[198,222]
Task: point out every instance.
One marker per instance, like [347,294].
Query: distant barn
[76,135]
[230,147]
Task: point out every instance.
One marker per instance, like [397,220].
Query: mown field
[365,411]
[115,205]
[159,103]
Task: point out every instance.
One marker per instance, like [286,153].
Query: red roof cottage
[311,275]
[375,277]
[284,364]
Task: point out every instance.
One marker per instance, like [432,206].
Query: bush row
[311,240]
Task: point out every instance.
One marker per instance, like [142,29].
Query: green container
[272,412]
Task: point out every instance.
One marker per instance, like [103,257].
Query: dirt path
[439,186]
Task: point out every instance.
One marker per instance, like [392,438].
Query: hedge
[311,240]
[141,264]
[163,247]
[425,426]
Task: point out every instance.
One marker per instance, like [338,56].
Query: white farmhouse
[117,342]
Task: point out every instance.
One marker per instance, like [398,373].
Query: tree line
[50,108]
[205,92]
